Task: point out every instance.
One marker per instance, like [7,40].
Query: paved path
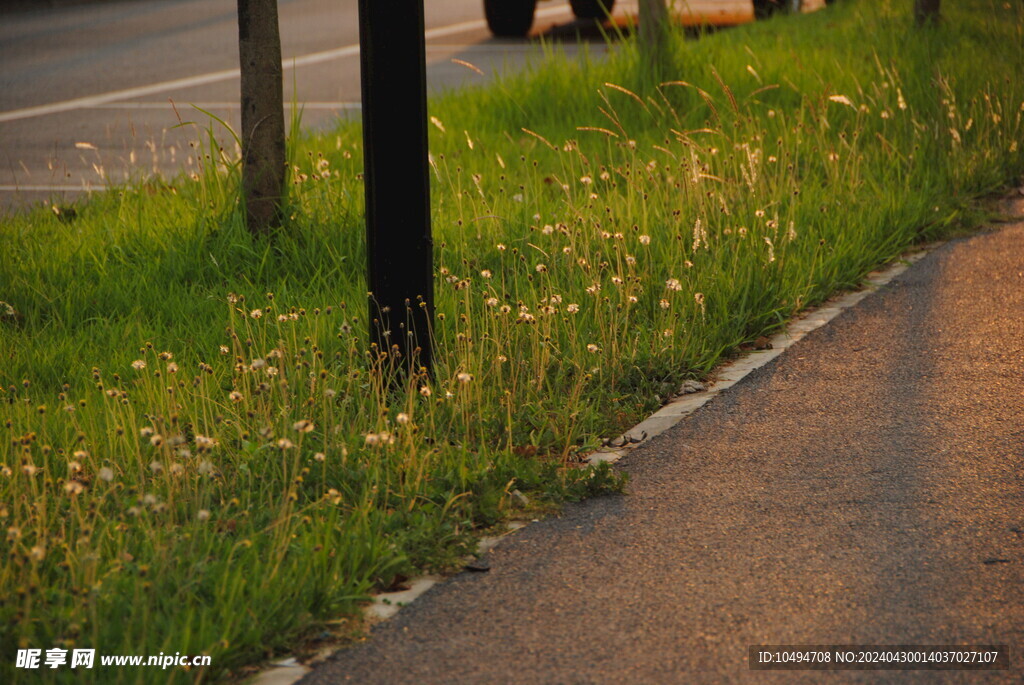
[865,487]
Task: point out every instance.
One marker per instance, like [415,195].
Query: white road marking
[52,189]
[228,74]
[217,105]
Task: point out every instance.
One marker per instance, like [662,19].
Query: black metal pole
[397,182]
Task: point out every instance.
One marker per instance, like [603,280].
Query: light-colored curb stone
[729,374]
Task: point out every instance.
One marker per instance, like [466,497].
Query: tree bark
[263,147]
[926,12]
[653,25]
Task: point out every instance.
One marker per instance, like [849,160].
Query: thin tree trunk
[653,25]
[263,151]
[926,12]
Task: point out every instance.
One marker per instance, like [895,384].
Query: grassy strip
[242,476]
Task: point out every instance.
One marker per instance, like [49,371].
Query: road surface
[86,90]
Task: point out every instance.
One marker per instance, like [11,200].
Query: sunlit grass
[231,472]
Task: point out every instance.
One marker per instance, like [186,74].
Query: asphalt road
[91,93]
[866,487]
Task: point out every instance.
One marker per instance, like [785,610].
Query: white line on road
[219,105]
[228,74]
[52,189]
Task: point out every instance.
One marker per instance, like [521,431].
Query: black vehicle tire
[592,9]
[509,18]
[766,8]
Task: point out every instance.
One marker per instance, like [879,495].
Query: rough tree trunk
[926,12]
[653,25]
[263,152]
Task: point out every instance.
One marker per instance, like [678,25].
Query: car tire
[592,9]
[766,8]
[509,18]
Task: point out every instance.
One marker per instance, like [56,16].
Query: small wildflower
[37,553]
[73,487]
[402,418]
[172,368]
[145,431]
[320,457]
[572,308]
[425,391]
[586,180]
[156,440]
[138,364]
[106,474]
[224,349]
[258,363]
[203,515]
[205,443]
[372,439]
[663,304]
[541,268]
[486,273]
[303,426]
[464,377]
[285,444]
[256,313]
[673,284]
[492,302]
[236,396]
[593,349]
[156,467]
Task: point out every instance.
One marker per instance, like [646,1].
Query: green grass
[257,479]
